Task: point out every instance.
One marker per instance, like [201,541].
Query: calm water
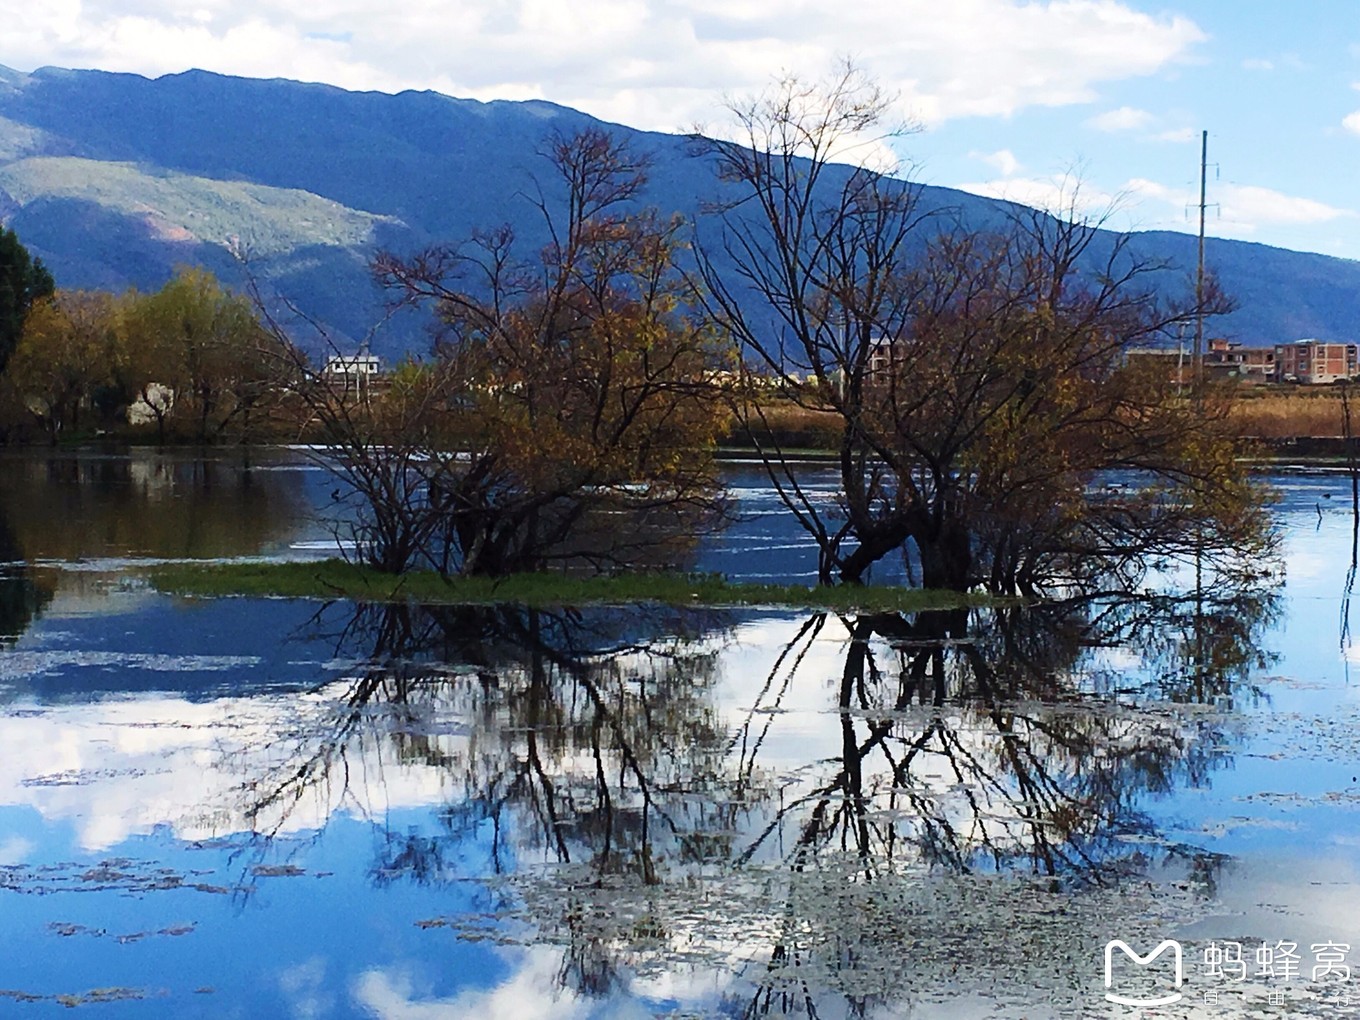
[273,808]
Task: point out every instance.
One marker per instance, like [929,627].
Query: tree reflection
[1004,742]
[22,595]
[67,505]
[615,764]
[567,735]
[1010,743]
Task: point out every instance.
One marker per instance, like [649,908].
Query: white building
[355,366]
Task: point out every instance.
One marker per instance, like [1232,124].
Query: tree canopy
[191,355]
[66,351]
[204,343]
[566,415]
[23,280]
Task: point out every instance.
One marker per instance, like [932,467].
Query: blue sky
[1012,98]
[1272,83]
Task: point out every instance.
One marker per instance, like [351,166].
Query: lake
[283,808]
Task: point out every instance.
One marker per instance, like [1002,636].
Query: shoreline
[1304,452]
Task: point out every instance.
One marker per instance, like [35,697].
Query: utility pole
[1199,276]
[1199,405]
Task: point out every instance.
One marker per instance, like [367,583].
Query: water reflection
[23,596]
[62,508]
[645,796]
[640,811]
[573,734]
[972,750]
[77,505]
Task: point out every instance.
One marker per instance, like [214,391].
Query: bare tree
[976,374]
[1007,405]
[807,273]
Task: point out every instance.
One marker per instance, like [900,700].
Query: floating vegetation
[841,929]
[82,777]
[67,929]
[24,665]
[119,875]
[276,871]
[71,1000]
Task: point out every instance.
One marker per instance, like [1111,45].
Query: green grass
[329,579]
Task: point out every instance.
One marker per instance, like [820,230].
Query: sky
[1024,99]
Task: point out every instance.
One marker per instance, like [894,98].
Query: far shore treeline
[189,362]
[969,385]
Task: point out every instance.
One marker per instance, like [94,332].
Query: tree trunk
[946,557]
[876,540]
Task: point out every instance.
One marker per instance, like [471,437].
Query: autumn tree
[391,454]
[577,417]
[205,345]
[65,352]
[975,372]
[23,280]
[1006,407]
[148,360]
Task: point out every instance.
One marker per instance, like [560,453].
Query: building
[885,355]
[351,367]
[1315,361]
[356,373]
[1228,359]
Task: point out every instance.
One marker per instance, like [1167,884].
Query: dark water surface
[277,808]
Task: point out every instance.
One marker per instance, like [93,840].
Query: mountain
[113,179]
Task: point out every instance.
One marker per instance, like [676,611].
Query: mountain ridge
[171,161]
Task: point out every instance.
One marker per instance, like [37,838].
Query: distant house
[151,405]
[353,373]
[885,356]
[1229,359]
[354,366]
[1316,361]
[1223,359]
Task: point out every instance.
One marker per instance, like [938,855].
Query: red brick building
[1315,361]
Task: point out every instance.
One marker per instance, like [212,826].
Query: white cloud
[1003,161]
[15,850]
[531,992]
[304,986]
[1258,64]
[965,58]
[1125,118]
[1351,122]
[1184,134]
[1140,188]
[118,768]
[1249,204]
[1059,194]
[1237,210]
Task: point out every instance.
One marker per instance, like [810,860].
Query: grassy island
[331,579]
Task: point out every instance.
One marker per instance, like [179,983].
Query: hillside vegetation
[183,208]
